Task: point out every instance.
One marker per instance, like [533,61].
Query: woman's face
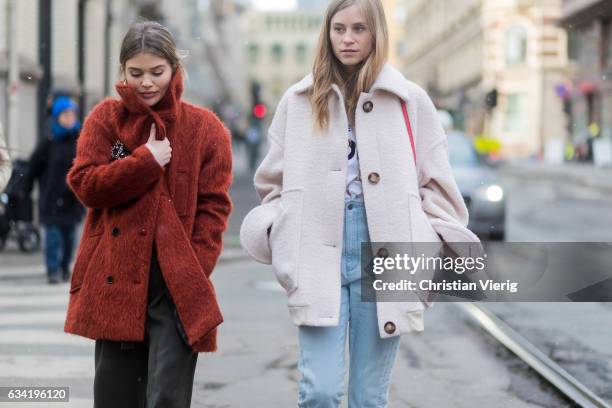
[350,37]
[149,75]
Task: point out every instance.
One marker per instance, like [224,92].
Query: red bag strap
[407,120]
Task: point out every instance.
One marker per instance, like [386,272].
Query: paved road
[448,365]
[575,335]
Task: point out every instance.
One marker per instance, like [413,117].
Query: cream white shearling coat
[302,180]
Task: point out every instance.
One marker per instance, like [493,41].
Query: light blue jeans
[322,349]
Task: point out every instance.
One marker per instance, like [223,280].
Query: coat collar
[164,112]
[389,79]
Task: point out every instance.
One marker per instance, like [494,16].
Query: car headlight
[494,193]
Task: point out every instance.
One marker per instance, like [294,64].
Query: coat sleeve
[441,199]
[5,163]
[214,205]
[268,182]
[99,182]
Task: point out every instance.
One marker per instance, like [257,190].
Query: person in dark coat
[59,209]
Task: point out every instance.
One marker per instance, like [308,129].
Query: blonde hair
[327,70]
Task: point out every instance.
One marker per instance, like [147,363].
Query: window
[253,53]
[573,39]
[300,53]
[516,45]
[277,53]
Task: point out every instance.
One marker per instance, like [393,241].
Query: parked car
[480,186]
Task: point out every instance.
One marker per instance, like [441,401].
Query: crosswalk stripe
[20,318]
[23,306]
[37,366]
[43,337]
[39,289]
[55,299]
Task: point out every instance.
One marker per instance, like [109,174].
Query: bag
[407,120]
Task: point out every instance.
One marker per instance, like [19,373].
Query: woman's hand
[160,149]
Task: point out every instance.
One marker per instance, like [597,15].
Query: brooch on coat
[119,151]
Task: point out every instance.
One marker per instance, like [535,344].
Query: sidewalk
[579,174]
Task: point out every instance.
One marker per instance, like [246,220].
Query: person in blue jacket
[59,209]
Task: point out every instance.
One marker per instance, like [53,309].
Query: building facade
[280,49]
[494,65]
[587,90]
[72,45]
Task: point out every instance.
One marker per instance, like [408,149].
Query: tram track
[526,351]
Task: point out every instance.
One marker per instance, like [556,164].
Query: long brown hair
[327,70]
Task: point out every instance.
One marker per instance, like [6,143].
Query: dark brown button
[368,106]
[350,206]
[382,253]
[143,232]
[116,231]
[373,178]
[109,280]
[389,328]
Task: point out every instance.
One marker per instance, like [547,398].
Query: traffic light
[259,111]
[491,99]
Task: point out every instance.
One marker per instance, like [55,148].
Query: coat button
[373,178]
[116,231]
[109,280]
[389,328]
[368,106]
[143,232]
[382,253]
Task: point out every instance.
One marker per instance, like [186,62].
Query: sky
[274,4]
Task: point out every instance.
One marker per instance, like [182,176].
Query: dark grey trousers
[156,373]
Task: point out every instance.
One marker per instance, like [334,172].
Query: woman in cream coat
[317,205]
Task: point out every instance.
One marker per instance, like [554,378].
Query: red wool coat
[133,203]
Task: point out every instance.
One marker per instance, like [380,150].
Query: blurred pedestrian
[5,162]
[59,209]
[154,172]
[343,121]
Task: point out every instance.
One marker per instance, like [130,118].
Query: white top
[354,190]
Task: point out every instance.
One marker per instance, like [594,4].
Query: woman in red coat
[154,172]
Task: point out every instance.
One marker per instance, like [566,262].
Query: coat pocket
[85,256]
[422,230]
[285,238]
